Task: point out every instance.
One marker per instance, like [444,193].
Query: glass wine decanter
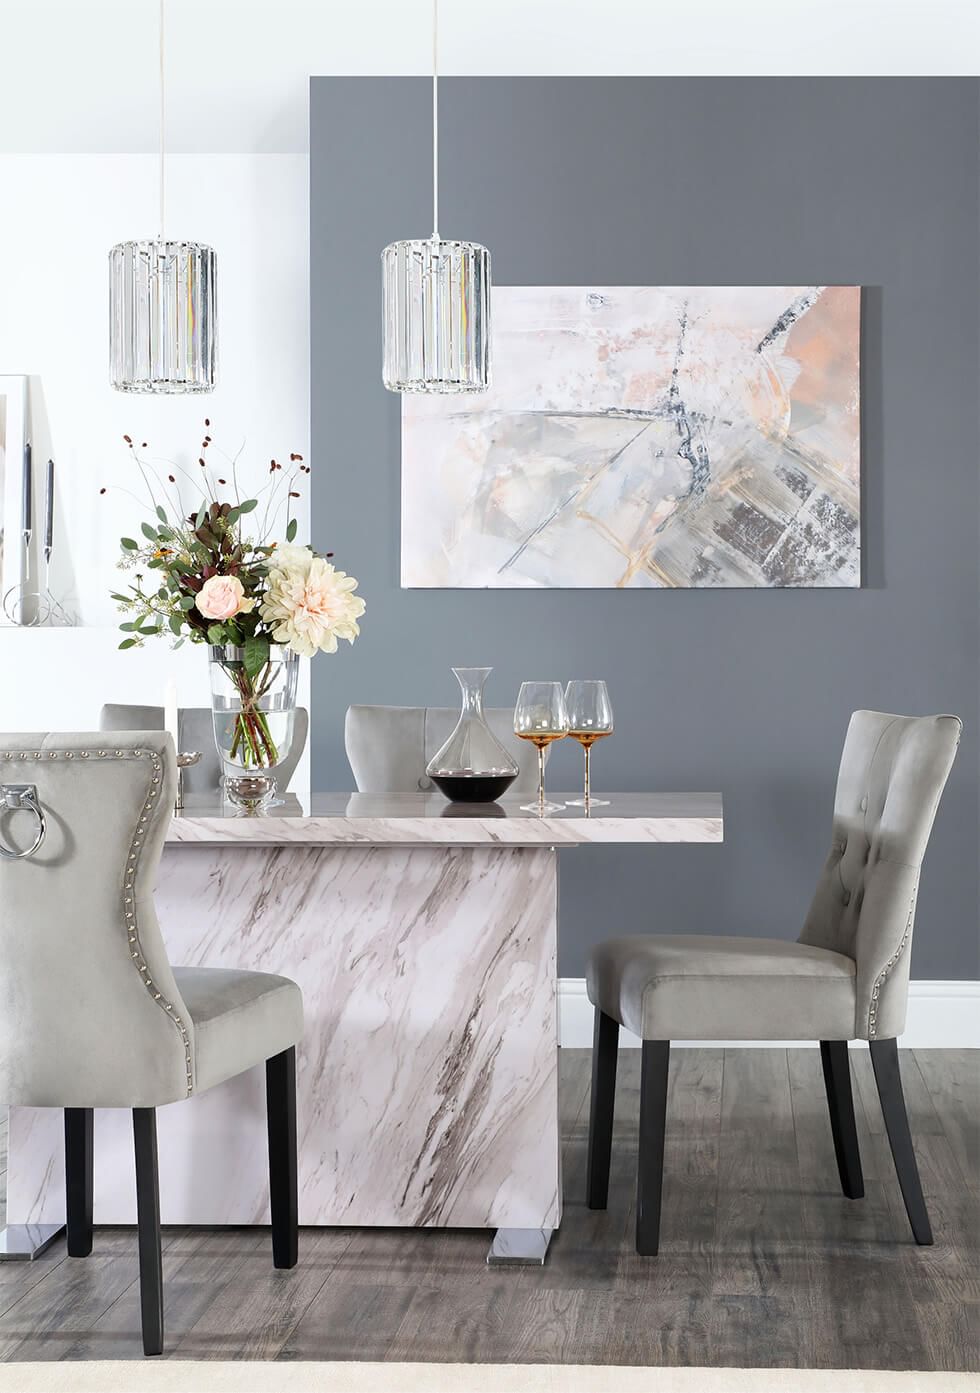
[472,766]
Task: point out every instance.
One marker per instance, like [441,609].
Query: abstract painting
[645,437]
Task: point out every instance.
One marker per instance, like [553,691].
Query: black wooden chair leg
[78,1180]
[653,1122]
[148,1224]
[605,1050]
[840,1101]
[884,1060]
[280,1088]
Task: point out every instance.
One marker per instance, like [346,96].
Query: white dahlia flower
[309,604]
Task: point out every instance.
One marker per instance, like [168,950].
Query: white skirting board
[941,1015]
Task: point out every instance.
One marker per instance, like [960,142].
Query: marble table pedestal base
[427,1078]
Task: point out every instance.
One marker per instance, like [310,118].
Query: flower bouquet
[214,573]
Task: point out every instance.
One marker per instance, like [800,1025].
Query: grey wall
[661,182]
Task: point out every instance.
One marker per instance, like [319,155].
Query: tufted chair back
[90,1014]
[892,774]
[389,746]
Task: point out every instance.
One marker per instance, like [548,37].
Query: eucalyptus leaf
[248,506]
[149,532]
[256,654]
[216,634]
[188,602]
[128,643]
[129,544]
[161,514]
[176,623]
[291,529]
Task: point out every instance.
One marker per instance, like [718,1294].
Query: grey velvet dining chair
[92,1014]
[388,747]
[845,979]
[195,732]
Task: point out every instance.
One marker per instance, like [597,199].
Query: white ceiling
[81,75]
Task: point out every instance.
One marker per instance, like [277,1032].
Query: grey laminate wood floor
[763,1262]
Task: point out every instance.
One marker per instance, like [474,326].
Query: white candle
[170,712]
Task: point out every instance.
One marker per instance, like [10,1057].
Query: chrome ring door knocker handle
[14,797]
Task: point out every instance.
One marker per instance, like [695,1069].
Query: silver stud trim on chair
[129,880]
[880,979]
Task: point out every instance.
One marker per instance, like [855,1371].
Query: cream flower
[310,605]
[289,557]
[222,597]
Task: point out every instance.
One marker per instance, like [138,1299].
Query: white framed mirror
[16,467]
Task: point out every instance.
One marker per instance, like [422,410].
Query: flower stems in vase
[252,739]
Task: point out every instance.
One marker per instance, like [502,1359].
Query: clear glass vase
[472,766]
[253,718]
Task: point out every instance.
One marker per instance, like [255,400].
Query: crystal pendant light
[436,298]
[162,305]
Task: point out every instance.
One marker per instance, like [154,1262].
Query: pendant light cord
[163,114]
[435,120]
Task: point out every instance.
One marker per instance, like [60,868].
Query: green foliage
[256,654]
[178,550]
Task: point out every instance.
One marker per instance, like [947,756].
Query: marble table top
[413,819]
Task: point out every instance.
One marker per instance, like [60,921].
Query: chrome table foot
[22,1242]
[519,1247]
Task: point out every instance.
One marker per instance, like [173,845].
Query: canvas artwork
[645,437]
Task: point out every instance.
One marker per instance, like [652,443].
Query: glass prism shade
[436,316]
[162,317]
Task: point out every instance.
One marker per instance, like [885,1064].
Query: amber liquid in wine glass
[590,718]
[542,739]
[539,717]
[587,738]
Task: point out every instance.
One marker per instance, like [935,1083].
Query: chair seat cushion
[709,987]
[240,1019]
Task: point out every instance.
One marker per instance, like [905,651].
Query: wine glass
[590,718]
[539,716]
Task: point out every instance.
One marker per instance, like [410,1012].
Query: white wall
[62,213]
[238,70]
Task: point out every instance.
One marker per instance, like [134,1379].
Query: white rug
[229,1377]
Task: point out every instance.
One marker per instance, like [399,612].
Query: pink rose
[222,597]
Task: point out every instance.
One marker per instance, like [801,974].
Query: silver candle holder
[184,761]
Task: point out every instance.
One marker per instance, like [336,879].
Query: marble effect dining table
[424,936]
